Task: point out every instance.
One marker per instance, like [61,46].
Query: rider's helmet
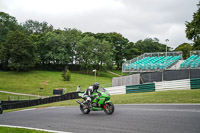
[95,86]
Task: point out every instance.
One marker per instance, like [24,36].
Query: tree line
[38,45]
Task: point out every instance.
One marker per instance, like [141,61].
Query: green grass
[31,82]
[180,96]
[4,96]
[175,96]
[18,130]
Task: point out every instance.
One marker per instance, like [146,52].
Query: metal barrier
[21,104]
[147,87]
[185,84]
[173,85]
[116,90]
[195,83]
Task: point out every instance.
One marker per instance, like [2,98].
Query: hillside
[31,82]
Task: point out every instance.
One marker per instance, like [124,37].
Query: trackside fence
[173,85]
[21,104]
[195,83]
[147,87]
[116,90]
[185,84]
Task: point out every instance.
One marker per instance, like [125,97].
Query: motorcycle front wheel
[84,110]
[109,108]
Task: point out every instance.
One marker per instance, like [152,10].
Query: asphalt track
[148,118]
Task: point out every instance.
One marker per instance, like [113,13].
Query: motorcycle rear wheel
[84,111]
[109,108]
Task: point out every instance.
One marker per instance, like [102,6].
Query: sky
[134,19]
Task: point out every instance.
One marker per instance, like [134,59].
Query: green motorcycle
[100,101]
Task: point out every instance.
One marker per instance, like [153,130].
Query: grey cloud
[134,19]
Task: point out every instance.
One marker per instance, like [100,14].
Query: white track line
[51,131]
[161,104]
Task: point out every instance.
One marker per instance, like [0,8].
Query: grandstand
[193,61]
[158,67]
[148,62]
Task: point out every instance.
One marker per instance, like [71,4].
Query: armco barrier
[195,83]
[9,102]
[28,103]
[147,87]
[173,85]
[116,90]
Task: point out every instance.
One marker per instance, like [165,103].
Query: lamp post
[94,74]
[167,40]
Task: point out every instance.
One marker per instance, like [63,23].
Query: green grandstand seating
[157,62]
[193,62]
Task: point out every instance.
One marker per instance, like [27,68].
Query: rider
[91,89]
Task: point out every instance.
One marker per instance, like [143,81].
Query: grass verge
[19,130]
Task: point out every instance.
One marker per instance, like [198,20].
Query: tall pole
[166,54]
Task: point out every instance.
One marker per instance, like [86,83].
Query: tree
[185,48]
[86,52]
[193,28]
[72,36]
[53,49]
[17,52]
[7,23]
[35,27]
[94,53]
[57,47]
[119,45]
[131,51]
[103,54]
[150,45]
